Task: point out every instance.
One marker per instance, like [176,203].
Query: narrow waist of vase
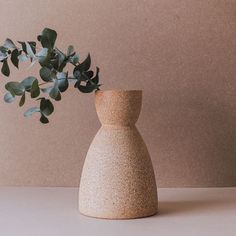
[120,126]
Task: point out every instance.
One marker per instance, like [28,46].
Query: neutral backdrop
[182,54]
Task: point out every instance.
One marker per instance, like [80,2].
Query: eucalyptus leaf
[29,50]
[54,93]
[31,111]
[33,61]
[89,74]
[9,44]
[27,82]
[46,107]
[61,57]
[33,46]
[85,65]
[5,68]
[85,76]
[22,58]
[58,98]
[22,100]
[70,50]
[74,59]
[52,62]
[14,58]
[3,49]
[96,77]
[35,91]
[44,119]
[46,74]
[88,88]
[43,56]
[62,81]
[15,88]
[9,97]
[48,38]
[77,74]
[3,56]
[42,53]
[23,46]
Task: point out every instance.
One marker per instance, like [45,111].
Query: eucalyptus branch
[52,62]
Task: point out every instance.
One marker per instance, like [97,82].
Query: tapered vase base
[119,217]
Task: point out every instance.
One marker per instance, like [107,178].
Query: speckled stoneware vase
[118,180]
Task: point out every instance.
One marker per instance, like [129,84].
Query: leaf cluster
[55,79]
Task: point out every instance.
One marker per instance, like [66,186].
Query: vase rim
[120,91]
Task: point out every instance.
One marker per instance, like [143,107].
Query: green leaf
[15,88]
[22,58]
[60,85]
[85,65]
[35,91]
[33,61]
[32,43]
[70,50]
[61,57]
[22,100]
[9,97]
[84,76]
[30,111]
[89,74]
[9,44]
[74,59]
[76,84]
[3,49]
[46,74]
[3,56]
[43,56]
[44,119]
[58,98]
[96,77]
[14,58]
[62,81]
[33,46]
[27,82]
[88,88]
[29,50]
[54,93]
[46,107]
[42,53]
[77,74]
[23,46]
[48,38]
[5,68]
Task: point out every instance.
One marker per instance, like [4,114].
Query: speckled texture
[118,180]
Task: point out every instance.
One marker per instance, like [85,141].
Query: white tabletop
[53,212]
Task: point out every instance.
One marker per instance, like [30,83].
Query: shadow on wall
[195,134]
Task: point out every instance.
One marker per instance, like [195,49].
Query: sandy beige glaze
[118,180]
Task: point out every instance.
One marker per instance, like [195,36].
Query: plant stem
[53,81]
[43,83]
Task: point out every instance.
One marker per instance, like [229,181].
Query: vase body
[118,180]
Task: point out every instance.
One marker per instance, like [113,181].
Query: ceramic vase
[118,180]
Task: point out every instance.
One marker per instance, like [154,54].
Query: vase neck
[121,108]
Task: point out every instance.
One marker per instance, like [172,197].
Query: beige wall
[181,53]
